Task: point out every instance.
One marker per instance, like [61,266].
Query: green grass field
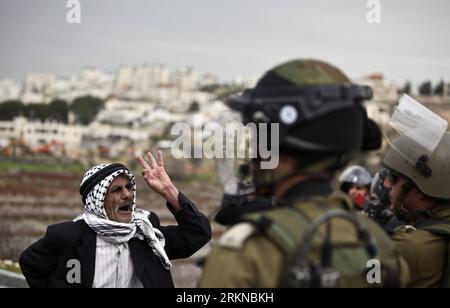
[46,167]
[11,268]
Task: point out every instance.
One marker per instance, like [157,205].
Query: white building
[140,82]
[96,83]
[152,77]
[75,141]
[37,134]
[9,89]
[61,87]
[102,131]
[124,80]
[137,116]
[90,81]
[184,78]
[208,80]
[37,88]
[213,110]
[163,93]
[124,113]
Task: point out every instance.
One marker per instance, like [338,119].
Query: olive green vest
[286,228]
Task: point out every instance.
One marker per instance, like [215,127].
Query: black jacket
[45,263]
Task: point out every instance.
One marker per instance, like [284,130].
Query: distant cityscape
[154,82]
[140,104]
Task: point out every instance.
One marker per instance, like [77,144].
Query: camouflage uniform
[425,246]
[248,258]
[255,252]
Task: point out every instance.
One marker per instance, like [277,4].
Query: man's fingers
[152,160]
[143,163]
[160,159]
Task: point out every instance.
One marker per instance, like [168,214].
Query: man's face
[394,185]
[400,202]
[119,200]
[356,190]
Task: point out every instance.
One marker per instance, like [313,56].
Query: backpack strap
[278,233]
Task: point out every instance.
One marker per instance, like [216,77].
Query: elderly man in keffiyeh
[114,244]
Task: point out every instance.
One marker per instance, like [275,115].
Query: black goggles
[307,102]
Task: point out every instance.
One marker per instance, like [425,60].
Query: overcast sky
[228,37]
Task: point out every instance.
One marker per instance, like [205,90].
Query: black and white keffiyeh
[115,232]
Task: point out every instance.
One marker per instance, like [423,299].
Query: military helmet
[317,107]
[430,174]
[354,175]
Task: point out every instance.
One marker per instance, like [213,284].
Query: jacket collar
[441,212]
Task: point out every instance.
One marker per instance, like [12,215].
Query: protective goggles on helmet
[292,106]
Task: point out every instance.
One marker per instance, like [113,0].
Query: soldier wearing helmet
[322,123]
[420,194]
[355,181]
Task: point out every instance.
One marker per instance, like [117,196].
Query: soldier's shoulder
[235,237]
[413,234]
[252,232]
[410,234]
[420,248]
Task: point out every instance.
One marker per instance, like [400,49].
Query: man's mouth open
[124,209]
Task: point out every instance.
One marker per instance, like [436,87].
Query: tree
[407,88]
[58,110]
[11,109]
[426,88]
[86,109]
[228,90]
[210,88]
[37,112]
[439,90]
[194,107]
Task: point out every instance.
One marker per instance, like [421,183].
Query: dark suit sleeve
[39,260]
[191,234]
